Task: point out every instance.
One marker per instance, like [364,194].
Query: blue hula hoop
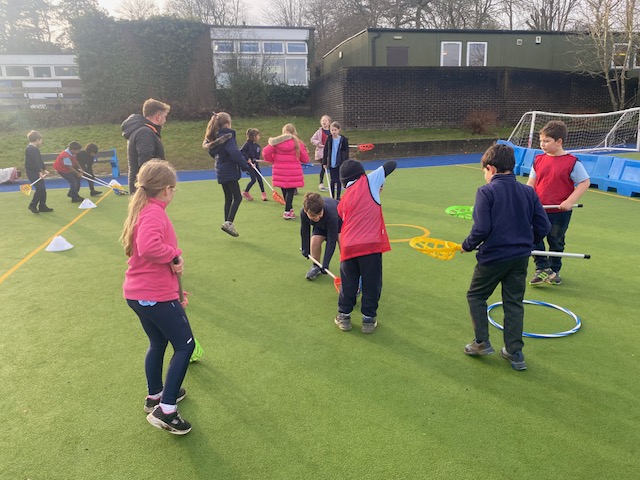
[540,335]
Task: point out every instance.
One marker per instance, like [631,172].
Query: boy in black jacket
[36,172]
[508,221]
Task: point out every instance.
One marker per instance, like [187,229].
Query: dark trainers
[45,209]
[33,209]
[172,422]
[369,324]
[542,276]
[96,193]
[150,403]
[313,272]
[77,199]
[556,280]
[230,229]
[516,359]
[476,349]
[343,321]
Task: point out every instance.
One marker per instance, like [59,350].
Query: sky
[254,6]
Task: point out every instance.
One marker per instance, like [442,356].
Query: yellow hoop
[436,248]
[424,230]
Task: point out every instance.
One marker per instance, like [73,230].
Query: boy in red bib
[558,178]
[363,240]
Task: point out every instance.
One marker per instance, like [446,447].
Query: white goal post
[585,133]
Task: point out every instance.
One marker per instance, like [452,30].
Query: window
[223,47]
[450,54]
[66,71]
[476,54]
[296,70]
[224,68]
[42,72]
[619,55]
[249,47]
[273,47]
[17,71]
[276,69]
[296,47]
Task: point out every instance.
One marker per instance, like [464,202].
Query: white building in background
[282,53]
[46,73]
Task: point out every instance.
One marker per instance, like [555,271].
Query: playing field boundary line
[48,241]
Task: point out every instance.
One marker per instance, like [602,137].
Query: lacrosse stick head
[26,189]
[278,198]
[460,211]
[436,248]
[365,147]
[197,351]
[337,282]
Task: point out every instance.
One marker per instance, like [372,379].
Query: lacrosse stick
[197,351]
[326,170]
[460,211]
[443,250]
[275,195]
[575,205]
[337,281]
[363,147]
[26,188]
[115,186]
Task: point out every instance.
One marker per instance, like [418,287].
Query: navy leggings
[232,200]
[165,322]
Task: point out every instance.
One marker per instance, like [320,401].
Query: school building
[396,78]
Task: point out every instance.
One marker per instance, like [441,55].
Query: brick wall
[379,98]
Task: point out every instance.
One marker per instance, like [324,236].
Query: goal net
[585,133]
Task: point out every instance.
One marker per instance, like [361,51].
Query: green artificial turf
[280,392]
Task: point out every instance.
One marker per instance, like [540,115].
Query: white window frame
[33,71]
[305,52]
[28,75]
[486,48]
[443,54]
[57,75]
[249,52]
[264,50]
[613,57]
[286,70]
[223,42]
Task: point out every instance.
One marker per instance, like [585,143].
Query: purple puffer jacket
[287,166]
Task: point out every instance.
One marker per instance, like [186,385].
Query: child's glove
[304,254]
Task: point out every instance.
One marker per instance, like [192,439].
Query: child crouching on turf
[151,289]
[508,219]
[363,240]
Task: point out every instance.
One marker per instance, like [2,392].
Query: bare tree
[211,12]
[610,46]
[551,15]
[286,13]
[137,9]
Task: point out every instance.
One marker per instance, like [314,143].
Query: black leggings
[254,177]
[232,199]
[287,194]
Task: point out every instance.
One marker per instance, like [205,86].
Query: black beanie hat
[350,170]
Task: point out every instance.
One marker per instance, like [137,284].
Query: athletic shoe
[516,359]
[96,193]
[264,197]
[33,209]
[369,324]
[542,276]
[77,199]
[287,215]
[292,213]
[45,209]
[171,422]
[295,192]
[476,349]
[230,229]
[247,195]
[556,280]
[150,403]
[322,188]
[343,321]
[313,272]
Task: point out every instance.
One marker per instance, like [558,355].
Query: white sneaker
[322,188]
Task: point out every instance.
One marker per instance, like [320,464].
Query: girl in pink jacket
[287,153]
[151,289]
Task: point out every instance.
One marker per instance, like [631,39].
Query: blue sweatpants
[165,322]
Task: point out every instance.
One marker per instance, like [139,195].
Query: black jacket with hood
[143,143]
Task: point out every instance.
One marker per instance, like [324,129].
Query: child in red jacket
[68,168]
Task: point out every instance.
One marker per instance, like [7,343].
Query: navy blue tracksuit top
[508,220]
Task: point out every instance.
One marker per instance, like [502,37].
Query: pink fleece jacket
[287,166]
[149,276]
